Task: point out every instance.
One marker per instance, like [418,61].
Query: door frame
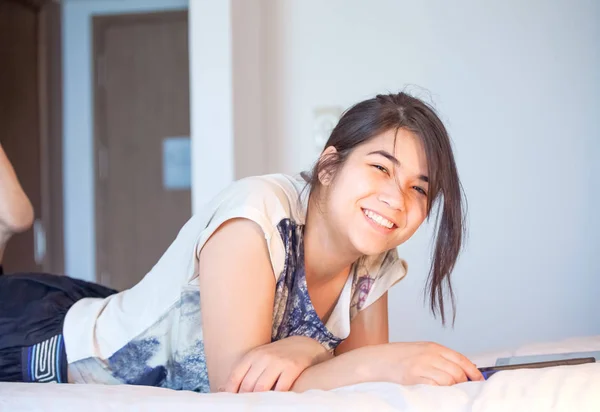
[50,110]
[100,24]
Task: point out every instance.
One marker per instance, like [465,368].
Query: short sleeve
[373,276]
[257,199]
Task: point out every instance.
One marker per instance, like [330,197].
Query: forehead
[406,146]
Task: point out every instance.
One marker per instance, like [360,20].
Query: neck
[326,255]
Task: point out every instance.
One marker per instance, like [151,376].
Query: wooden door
[141,122]
[31,127]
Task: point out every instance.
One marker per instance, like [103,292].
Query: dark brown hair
[375,116]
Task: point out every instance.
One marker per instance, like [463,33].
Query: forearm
[347,369]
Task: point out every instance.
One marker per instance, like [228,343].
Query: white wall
[211,110]
[518,85]
[78,123]
[228,81]
[249,76]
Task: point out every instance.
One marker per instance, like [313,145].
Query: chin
[368,247]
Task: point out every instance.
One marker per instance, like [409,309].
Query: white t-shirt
[151,334]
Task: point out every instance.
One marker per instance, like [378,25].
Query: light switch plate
[177,161]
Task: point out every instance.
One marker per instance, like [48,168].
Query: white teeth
[380,220]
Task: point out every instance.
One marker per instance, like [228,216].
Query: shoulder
[272,197]
[274,188]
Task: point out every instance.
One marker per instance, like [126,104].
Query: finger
[422,380]
[237,375]
[441,377]
[267,379]
[470,369]
[285,381]
[251,378]
[453,369]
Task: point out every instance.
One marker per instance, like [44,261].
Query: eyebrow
[395,161]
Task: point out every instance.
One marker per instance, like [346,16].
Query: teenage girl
[280,283]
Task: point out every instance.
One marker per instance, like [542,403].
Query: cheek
[350,187]
[344,198]
[360,183]
[417,215]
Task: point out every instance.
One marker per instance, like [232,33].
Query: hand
[275,365]
[415,363]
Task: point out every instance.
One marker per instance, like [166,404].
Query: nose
[393,198]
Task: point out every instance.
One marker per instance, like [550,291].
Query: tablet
[489,371]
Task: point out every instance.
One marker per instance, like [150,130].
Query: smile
[378,219]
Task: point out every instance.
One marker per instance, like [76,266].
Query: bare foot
[16,211]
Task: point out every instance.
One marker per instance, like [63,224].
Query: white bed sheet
[572,389]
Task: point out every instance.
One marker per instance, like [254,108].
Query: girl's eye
[420,190]
[381,168]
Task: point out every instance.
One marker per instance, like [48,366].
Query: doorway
[141,141]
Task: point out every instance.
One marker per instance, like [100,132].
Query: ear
[325,175]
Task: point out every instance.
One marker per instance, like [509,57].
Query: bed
[572,389]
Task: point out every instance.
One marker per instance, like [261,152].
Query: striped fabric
[44,361]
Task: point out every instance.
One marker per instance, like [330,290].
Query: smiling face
[378,197]
[368,187]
